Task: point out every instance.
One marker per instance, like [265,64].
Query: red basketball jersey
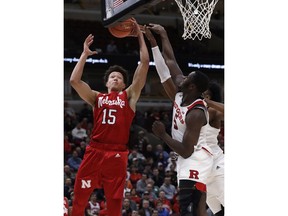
[112,119]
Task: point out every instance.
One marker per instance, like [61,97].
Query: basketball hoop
[196,15]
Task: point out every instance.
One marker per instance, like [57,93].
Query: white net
[196,15]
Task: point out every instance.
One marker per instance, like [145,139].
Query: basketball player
[215,182]
[216,178]
[189,128]
[105,160]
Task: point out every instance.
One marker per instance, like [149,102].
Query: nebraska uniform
[198,166]
[105,160]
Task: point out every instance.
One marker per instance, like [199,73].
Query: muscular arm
[82,88]
[195,119]
[168,54]
[216,105]
[161,67]
[140,75]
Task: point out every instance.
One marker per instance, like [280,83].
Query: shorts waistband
[108,146]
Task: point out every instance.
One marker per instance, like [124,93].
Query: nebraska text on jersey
[105,100]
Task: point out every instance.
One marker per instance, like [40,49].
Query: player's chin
[115,88]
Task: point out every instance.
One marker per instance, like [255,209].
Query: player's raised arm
[82,88]
[140,75]
[161,67]
[168,53]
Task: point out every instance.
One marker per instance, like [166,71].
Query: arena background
[32,93]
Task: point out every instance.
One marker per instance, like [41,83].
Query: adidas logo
[117,155]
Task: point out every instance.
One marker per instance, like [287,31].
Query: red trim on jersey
[197,102]
[207,150]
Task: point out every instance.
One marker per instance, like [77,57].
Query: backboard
[114,11]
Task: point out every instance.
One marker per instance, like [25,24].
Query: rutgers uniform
[198,166]
[105,160]
[215,183]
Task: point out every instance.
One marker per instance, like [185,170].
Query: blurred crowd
[151,183]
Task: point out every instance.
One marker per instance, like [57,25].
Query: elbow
[73,82]
[187,154]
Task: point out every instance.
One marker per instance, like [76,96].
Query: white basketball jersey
[212,141]
[198,166]
[179,115]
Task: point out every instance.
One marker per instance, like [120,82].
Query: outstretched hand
[136,28]
[156,28]
[86,46]
[158,128]
[149,36]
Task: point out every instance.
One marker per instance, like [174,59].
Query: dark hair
[119,69]
[201,81]
[215,91]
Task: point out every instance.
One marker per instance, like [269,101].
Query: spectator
[165,202]
[141,184]
[145,208]
[148,170]
[158,179]
[67,147]
[136,154]
[162,211]
[126,189]
[135,175]
[175,204]
[74,161]
[138,163]
[69,124]
[93,207]
[68,110]
[86,112]
[161,159]
[148,152]
[161,169]
[154,212]
[68,174]
[142,141]
[171,161]
[135,197]
[78,134]
[135,213]
[84,123]
[169,189]
[150,197]
[133,204]
[152,188]
[68,188]
[164,154]
[126,208]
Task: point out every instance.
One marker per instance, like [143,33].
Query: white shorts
[215,185]
[197,167]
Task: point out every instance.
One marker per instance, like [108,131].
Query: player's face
[187,80]
[115,81]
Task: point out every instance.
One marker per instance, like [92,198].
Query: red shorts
[104,169]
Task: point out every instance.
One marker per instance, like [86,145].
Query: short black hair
[215,90]
[201,81]
[119,69]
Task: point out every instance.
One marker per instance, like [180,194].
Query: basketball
[123,29]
